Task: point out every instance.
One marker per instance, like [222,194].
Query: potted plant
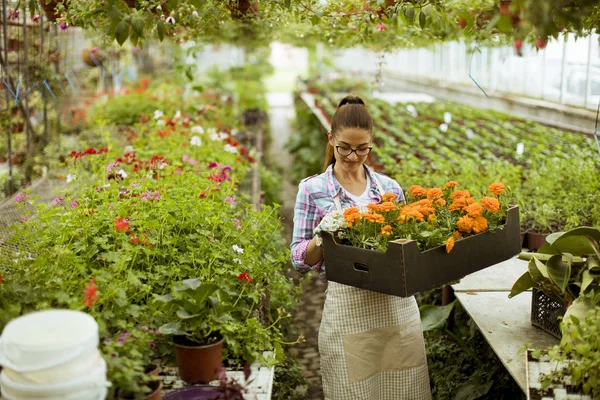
[196,335]
[49,7]
[86,57]
[563,270]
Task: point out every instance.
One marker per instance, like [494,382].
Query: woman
[371,344]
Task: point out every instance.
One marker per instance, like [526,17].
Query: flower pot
[86,57]
[155,394]
[152,370]
[202,392]
[535,240]
[198,364]
[49,9]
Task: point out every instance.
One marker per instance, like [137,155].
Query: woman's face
[346,140]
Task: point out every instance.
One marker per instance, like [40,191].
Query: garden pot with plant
[198,342]
[49,7]
[563,270]
[87,54]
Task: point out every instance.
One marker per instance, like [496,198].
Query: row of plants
[551,172]
[155,240]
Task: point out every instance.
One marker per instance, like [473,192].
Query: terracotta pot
[504,6]
[524,240]
[198,364]
[51,14]
[156,393]
[535,240]
[87,59]
[152,370]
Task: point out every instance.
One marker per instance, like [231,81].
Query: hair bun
[351,100]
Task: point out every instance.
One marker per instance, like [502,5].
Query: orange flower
[90,293]
[388,197]
[431,219]
[480,224]
[470,200]
[465,224]
[373,207]
[449,244]
[424,202]
[451,184]
[350,210]
[460,193]
[425,210]
[434,193]
[491,204]
[496,188]
[351,218]
[458,204]
[387,206]
[386,230]
[440,202]
[407,212]
[417,191]
[474,210]
[457,235]
[374,217]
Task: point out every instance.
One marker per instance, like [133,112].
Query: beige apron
[371,345]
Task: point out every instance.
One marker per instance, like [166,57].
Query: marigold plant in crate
[440,236]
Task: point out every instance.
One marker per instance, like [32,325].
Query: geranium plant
[433,217]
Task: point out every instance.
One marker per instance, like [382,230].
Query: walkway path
[308,316]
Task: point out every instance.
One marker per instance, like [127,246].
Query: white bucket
[92,386]
[64,372]
[46,339]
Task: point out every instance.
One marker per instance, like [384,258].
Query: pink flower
[185,158]
[63,26]
[74,204]
[230,200]
[24,218]
[380,27]
[20,197]
[57,200]
[237,223]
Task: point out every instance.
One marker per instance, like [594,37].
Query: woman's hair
[351,113]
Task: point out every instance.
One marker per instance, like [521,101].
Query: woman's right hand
[313,253]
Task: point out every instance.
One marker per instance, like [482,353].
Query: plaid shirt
[315,199]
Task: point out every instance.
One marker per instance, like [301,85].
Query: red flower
[132,136]
[75,154]
[251,159]
[171,123]
[1,279]
[215,177]
[243,151]
[146,242]
[89,151]
[155,158]
[121,224]
[90,293]
[244,277]
[134,239]
[202,195]
[163,133]
[103,150]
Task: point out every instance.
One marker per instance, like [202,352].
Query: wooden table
[505,323]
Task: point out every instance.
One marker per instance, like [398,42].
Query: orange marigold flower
[373,207]
[458,204]
[457,235]
[474,209]
[411,212]
[460,193]
[432,218]
[417,191]
[388,197]
[374,217]
[440,202]
[425,210]
[496,188]
[434,193]
[480,224]
[350,210]
[451,184]
[449,244]
[386,230]
[424,202]
[387,206]
[351,218]
[491,204]
[470,200]
[465,224]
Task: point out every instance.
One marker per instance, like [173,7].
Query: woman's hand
[313,253]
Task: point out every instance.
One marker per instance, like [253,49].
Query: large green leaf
[172,328]
[586,280]
[203,292]
[593,265]
[547,248]
[192,284]
[473,389]
[551,238]
[576,245]
[522,284]
[122,32]
[538,273]
[541,267]
[183,314]
[435,317]
[559,270]
[165,299]
[586,231]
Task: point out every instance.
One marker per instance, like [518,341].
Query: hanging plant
[86,57]
[240,8]
[49,7]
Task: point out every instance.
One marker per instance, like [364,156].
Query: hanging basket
[240,8]
[50,9]
[86,57]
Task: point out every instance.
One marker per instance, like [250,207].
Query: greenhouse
[300,199]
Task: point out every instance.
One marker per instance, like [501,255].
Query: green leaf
[183,314]
[122,32]
[536,272]
[434,317]
[137,24]
[553,236]
[314,20]
[198,3]
[279,353]
[586,231]
[204,292]
[473,389]
[586,280]
[287,3]
[172,328]
[559,270]
[160,29]
[576,245]
[165,299]
[522,284]
[409,13]
[422,20]
[547,249]
[188,284]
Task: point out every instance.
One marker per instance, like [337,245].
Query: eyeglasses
[345,151]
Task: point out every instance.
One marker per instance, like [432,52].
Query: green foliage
[289,383]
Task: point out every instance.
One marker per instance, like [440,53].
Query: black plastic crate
[546,311]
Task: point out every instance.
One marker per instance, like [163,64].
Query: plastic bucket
[92,386]
[46,339]
[64,372]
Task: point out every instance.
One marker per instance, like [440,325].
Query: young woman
[371,344]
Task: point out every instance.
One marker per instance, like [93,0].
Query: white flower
[470,134]
[129,149]
[158,114]
[194,13]
[215,136]
[223,135]
[70,178]
[520,148]
[196,141]
[443,127]
[412,110]
[237,249]
[212,130]
[122,173]
[231,149]
[237,260]
[171,20]
[160,122]
[197,129]
[447,117]
[177,115]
